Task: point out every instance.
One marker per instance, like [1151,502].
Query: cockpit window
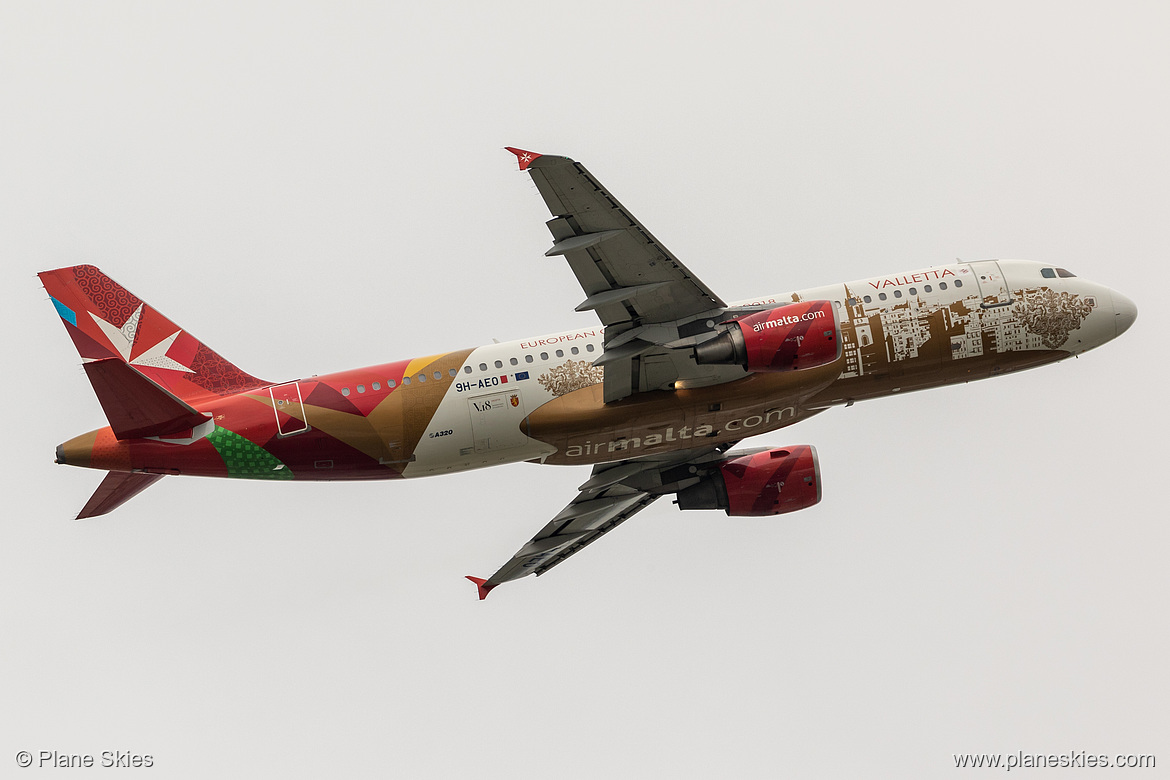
[1063,274]
[1052,273]
[1048,273]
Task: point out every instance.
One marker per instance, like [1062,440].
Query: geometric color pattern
[245,459]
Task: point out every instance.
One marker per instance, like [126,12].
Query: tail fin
[105,320]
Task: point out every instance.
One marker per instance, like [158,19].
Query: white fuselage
[478,421]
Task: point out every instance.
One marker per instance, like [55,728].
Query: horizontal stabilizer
[116,489]
[136,406]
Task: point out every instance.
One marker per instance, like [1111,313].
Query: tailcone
[95,450]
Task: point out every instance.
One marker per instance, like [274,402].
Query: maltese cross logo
[122,339]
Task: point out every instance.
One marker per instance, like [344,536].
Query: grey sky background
[312,187]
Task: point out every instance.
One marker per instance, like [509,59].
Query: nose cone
[1124,312]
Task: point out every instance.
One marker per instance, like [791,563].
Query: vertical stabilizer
[105,320]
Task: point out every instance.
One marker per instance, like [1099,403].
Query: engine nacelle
[772,482]
[799,335]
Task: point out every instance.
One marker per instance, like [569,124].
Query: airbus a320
[654,397]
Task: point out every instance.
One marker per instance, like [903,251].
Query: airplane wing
[614,493]
[652,306]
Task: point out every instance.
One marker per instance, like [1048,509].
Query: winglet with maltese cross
[484,588]
[522,157]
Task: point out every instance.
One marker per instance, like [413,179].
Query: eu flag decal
[521,375]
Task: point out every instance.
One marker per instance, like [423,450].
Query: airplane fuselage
[654,397]
[540,399]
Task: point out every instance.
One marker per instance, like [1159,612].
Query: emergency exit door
[289,408]
[993,287]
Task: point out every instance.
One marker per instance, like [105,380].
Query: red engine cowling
[759,484]
[800,335]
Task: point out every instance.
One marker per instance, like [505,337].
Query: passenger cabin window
[575,351]
[499,364]
[513,361]
[942,285]
[483,366]
[452,372]
[544,356]
[958,283]
[926,288]
[438,375]
[560,353]
[345,391]
[467,369]
[867,299]
[528,358]
[390,383]
[588,347]
[881,296]
[406,380]
[897,293]
[913,291]
[377,385]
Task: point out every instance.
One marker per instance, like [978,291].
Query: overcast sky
[313,187]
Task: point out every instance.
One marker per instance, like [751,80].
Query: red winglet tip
[484,589]
[524,158]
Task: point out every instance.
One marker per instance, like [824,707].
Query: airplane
[654,397]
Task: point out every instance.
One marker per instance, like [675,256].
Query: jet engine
[759,484]
[799,335]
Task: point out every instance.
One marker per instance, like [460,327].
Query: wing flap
[613,494]
[620,295]
[548,544]
[560,539]
[584,241]
[631,281]
[590,227]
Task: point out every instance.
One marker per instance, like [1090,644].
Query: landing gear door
[993,288]
[289,408]
[495,421]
